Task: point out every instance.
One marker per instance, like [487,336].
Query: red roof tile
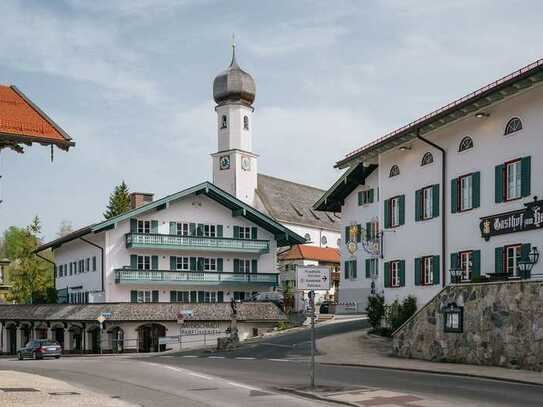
[21,121]
[306,252]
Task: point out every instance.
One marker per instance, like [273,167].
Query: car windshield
[46,343]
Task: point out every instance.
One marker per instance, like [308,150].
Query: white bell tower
[235,164]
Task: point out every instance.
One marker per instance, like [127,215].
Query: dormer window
[224,121]
[465,144]
[427,158]
[513,125]
[394,171]
[245,123]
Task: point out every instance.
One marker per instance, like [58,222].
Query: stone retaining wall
[503,326]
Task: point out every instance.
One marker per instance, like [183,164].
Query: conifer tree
[119,201]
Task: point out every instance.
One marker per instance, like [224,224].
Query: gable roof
[290,202]
[307,252]
[22,122]
[490,94]
[333,199]
[283,235]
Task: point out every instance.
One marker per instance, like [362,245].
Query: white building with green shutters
[457,189]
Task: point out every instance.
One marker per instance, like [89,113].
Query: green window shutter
[154,296]
[173,228]
[401,201]
[454,260]
[360,198]
[525,165]
[133,261]
[133,296]
[200,229]
[525,251]
[236,265]
[133,225]
[368,231]
[254,233]
[418,270]
[435,269]
[192,229]
[173,296]
[219,264]
[476,189]
[236,232]
[387,213]
[200,264]
[220,296]
[193,265]
[387,274]
[435,200]
[154,226]
[358,233]
[173,263]
[219,231]
[353,268]
[476,264]
[418,205]
[254,266]
[498,260]
[454,195]
[402,273]
[498,187]
[370,196]
[201,296]
[193,296]
[154,262]
[346,234]
[368,265]
[346,270]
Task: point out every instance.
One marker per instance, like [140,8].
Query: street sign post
[101,318]
[312,278]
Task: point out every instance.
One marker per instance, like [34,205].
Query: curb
[314,396]
[436,372]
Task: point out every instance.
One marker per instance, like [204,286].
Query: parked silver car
[39,349]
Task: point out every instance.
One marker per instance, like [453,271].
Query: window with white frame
[513,255]
[144,262]
[395,274]
[210,230]
[427,271]
[466,192]
[182,263]
[373,230]
[513,180]
[210,296]
[144,226]
[427,203]
[244,232]
[513,125]
[182,229]
[244,266]
[395,211]
[210,264]
[144,296]
[466,264]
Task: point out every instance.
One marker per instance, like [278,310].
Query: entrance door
[95,341]
[12,338]
[148,338]
[59,336]
[117,339]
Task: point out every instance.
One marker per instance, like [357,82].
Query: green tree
[31,278]
[119,201]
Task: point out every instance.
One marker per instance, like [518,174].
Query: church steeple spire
[234,63]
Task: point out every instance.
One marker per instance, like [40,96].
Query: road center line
[281,360]
[245,358]
[215,357]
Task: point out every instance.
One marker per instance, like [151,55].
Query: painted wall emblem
[352,246]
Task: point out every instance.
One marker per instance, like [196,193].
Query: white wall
[316,235]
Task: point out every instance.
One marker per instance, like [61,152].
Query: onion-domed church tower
[234,164]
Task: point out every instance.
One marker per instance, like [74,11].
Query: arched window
[394,170]
[224,121]
[465,144]
[427,158]
[307,237]
[512,125]
[245,123]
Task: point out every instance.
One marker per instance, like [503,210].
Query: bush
[396,313]
[375,310]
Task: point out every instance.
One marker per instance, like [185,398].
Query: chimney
[138,199]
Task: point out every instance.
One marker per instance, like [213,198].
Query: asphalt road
[250,376]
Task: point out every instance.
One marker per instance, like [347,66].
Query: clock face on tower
[224,162]
[245,163]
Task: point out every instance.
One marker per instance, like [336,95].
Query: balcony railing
[151,241]
[127,275]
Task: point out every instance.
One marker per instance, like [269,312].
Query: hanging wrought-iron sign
[529,218]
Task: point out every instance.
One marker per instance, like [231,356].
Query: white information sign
[312,278]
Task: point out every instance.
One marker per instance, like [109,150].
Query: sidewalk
[360,349]
[23,389]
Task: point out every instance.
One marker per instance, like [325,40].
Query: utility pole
[312,309]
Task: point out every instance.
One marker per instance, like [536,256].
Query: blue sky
[131,82]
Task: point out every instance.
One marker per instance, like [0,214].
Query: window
[210,264]
[245,123]
[466,264]
[371,268]
[372,229]
[224,121]
[239,295]
[512,256]
[395,212]
[454,318]
[144,262]
[244,232]
[144,226]
[210,230]
[87,264]
[427,158]
[513,180]
[210,296]
[365,197]
[182,229]
[394,170]
[350,270]
[427,203]
[466,192]
[244,266]
[395,274]
[427,271]
[182,263]
[465,144]
[93,263]
[144,296]
[513,125]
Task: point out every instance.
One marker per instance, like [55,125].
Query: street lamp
[456,274]
[526,264]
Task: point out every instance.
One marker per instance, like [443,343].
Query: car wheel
[34,356]
[20,356]
[57,357]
